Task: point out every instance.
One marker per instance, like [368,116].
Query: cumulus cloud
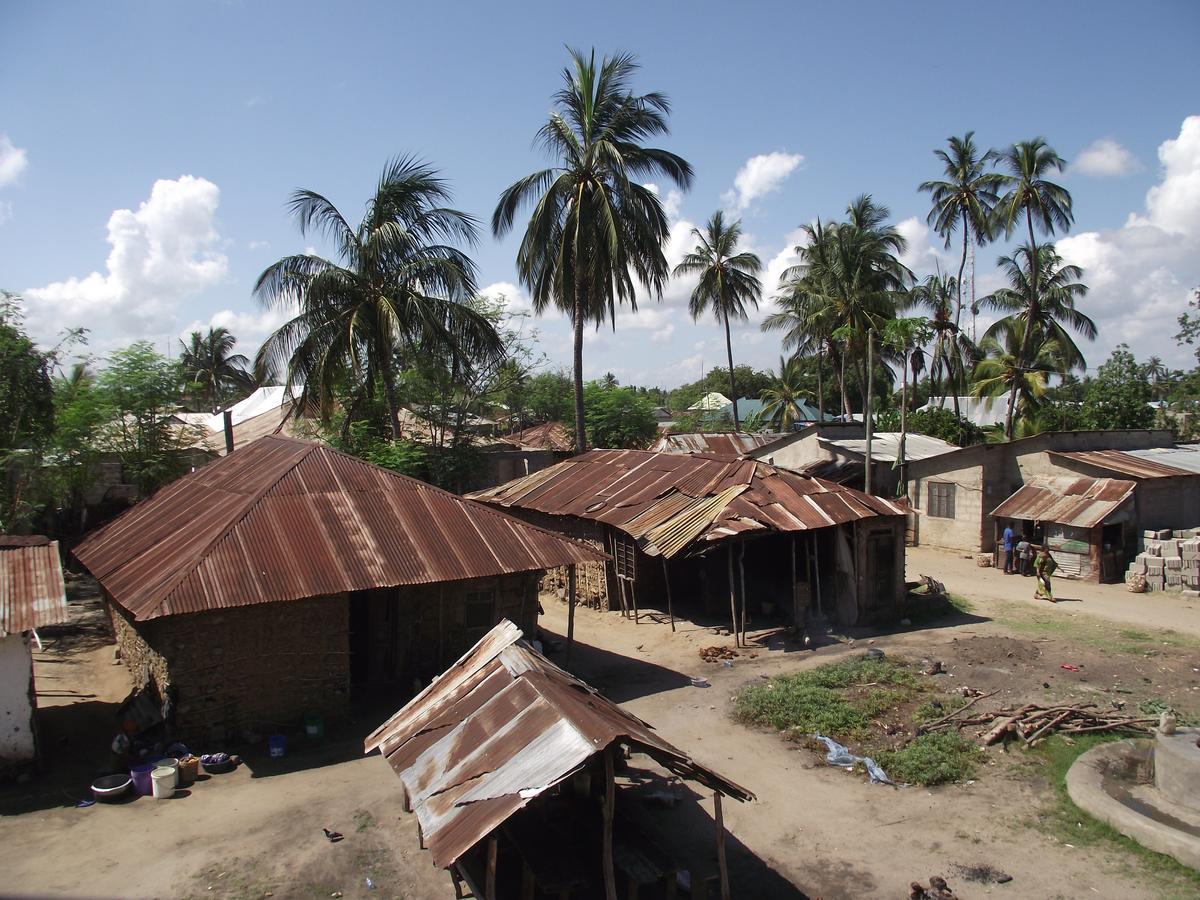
[671,203]
[13,161]
[761,175]
[250,328]
[1105,158]
[516,301]
[1142,273]
[160,255]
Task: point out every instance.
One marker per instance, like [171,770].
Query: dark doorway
[360,641]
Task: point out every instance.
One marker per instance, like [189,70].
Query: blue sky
[147,149]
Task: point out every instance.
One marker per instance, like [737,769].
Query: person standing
[1024,556]
[1044,566]
[1009,537]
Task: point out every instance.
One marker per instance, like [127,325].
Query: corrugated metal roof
[32,592]
[670,501]
[1157,463]
[282,519]
[714,443]
[1082,502]
[885,446]
[547,436]
[500,727]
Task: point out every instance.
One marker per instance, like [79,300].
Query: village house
[724,535]
[713,443]
[508,763]
[32,595]
[1089,494]
[278,580]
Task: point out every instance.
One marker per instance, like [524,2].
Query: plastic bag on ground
[841,756]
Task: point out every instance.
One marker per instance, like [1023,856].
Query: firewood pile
[715,654]
[1032,723]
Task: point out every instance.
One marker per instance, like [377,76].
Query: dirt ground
[813,831]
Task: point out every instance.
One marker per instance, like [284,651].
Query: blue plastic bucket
[141,778]
[277,745]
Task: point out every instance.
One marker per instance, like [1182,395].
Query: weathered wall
[234,672]
[593,581]
[964,531]
[18,743]
[881,587]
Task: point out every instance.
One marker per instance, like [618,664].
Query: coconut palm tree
[1002,370]
[965,200]
[1043,205]
[782,399]
[905,338]
[213,372]
[594,229]
[401,287]
[1046,311]
[728,281]
[953,353]
[1157,374]
[803,318]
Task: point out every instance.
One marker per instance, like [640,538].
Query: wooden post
[795,593]
[742,576]
[721,866]
[633,596]
[441,663]
[817,575]
[489,890]
[733,600]
[610,877]
[570,612]
[667,581]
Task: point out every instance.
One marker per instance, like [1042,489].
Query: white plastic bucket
[162,781]
[172,764]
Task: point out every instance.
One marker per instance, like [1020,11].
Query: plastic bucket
[163,782]
[314,726]
[189,768]
[141,778]
[172,764]
[277,745]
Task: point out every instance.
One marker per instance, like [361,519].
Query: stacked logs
[1033,723]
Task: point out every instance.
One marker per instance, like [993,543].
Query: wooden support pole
[733,600]
[817,575]
[633,597]
[570,612]
[795,592]
[742,576]
[721,865]
[667,581]
[489,890]
[610,798]
[441,664]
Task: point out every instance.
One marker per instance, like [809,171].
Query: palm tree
[906,338]
[1003,371]
[965,199]
[1157,374]
[782,399]
[1047,311]
[212,370]
[1043,204]
[728,281]
[594,227]
[400,288]
[802,317]
[953,352]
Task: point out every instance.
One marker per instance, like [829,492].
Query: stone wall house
[287,578]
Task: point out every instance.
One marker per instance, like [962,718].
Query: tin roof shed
[32,592]
[1082,502]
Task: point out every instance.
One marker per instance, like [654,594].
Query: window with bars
[624,556]
[941,499]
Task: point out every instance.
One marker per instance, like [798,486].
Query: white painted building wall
[16,711]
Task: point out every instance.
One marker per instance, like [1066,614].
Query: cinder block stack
[1169,560]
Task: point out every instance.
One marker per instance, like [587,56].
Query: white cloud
[250,328]
[922,255]
[165,252]
[1141,274]
[761,175]
[516,301]
[13,161]
[1105,158]
[671,204]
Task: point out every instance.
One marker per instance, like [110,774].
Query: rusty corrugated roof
[1122,463]
[500,727]
[32,592]
[1082,502]
[547,436]
[715,443]
[282,519]
[671,502]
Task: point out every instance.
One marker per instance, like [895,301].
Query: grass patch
[363,820]
[1067,822]
[1092,632]
[872,706]
[937,758]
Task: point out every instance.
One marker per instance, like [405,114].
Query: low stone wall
[240,672]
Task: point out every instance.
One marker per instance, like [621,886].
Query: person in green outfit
[1044,567]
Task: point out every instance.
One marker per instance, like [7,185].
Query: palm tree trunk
[1027,336]
[732,386]
[961,266]
[577,315]
[820,389]
[903,420]
[842,386]
[867,414]
[389,393]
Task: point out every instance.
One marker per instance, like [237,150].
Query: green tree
[905,338]
[26,394]
[781,406]
[212,372]
[1189,323]
[594,228]
[1119,396]
[935,422]
[1044,206]
[953,352]
[965,199]
[1002,372]
[549,396]
[618,417]
[400,289]
[804,319]
[728,282]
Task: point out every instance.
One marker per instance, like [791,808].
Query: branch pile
[713,654]
[1033,723]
